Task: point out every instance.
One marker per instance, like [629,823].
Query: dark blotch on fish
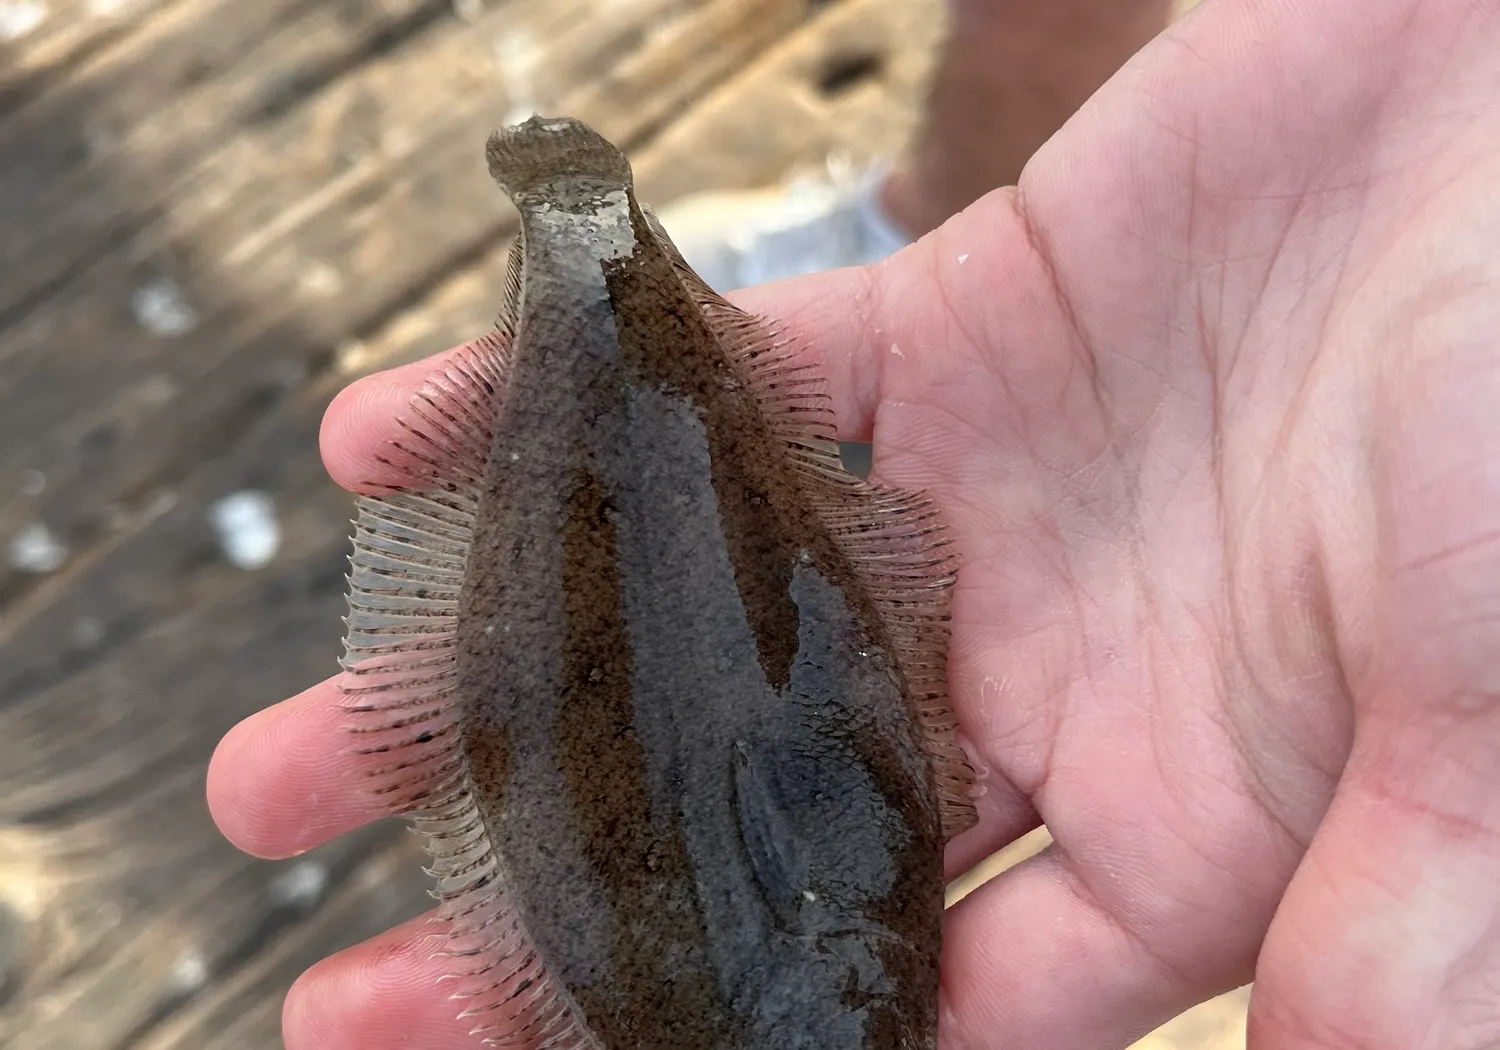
[663,685]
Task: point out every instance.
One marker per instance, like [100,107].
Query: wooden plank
[371,124]
[114,147]
[795,97]
[42,40]
[249,239]
[104,149]
[129,899]
[135,900]
[243,1011]
[166,558]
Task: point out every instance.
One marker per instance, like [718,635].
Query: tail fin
[544,149]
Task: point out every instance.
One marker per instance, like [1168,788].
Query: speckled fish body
[661,683]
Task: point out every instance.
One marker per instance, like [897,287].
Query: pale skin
[1210,403]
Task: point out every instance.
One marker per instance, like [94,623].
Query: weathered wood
[849,83]
[243,1010]
[294,236]
[100,176]
[134,899]
[47,39]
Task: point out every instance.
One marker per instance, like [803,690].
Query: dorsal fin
[894,538]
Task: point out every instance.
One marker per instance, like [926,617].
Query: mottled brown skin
[690,742]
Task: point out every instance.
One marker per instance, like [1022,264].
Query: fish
[662,686]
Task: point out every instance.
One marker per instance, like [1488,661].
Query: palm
[1205,405]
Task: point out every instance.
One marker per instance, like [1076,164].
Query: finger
[1032,959]
[917,321]
[384,994]
[1005,814]
[284,780]
[827,315]
[361,420]
[1389,934]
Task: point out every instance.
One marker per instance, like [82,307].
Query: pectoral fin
[778,856]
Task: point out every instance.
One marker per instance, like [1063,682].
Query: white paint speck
[34,549]
[189,970]
[301,884]
[963,258]
[19,17]
[515,457]
[897,350]
[809,895]
[248,531]
[33,482]
[161,308]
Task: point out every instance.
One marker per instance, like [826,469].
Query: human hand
[1209,406]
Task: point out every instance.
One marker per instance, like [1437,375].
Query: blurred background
[213,215]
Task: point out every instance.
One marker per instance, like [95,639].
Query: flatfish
[663,686]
